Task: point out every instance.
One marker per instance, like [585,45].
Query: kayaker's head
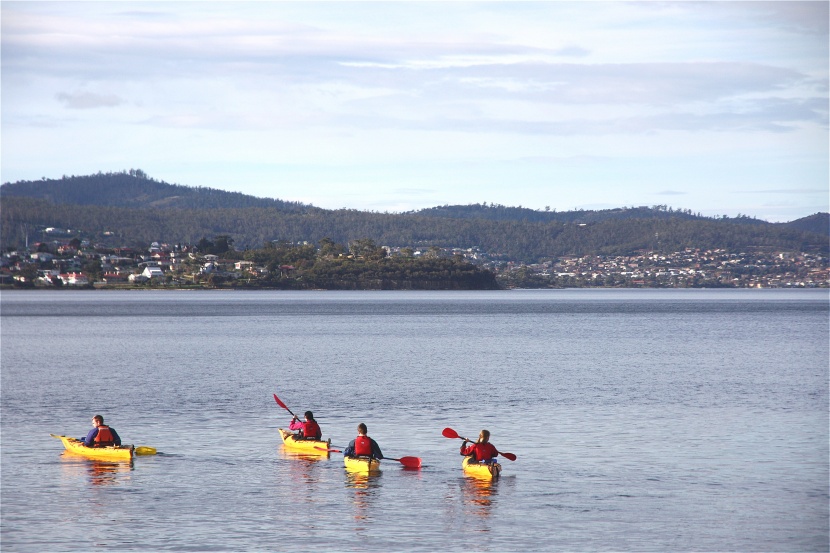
[309,416]
[361,429]
[484,437]
[97,419]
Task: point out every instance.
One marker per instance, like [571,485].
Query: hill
[131,209]
[818,223]
[135,189]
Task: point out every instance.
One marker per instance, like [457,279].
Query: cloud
[531,92]
[88,100]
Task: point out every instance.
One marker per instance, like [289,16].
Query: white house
[153,272]
[74,279]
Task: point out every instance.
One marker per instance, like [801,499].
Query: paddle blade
[507,455]
[450,433]
[411,462]
[280,403]
[329,450]
[145,450]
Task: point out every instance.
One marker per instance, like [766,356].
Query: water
[682,420]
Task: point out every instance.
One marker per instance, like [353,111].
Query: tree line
[132,209]
[24,219]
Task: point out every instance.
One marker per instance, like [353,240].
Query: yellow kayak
[489,471]
[361,464]
[112,453]
[309,447]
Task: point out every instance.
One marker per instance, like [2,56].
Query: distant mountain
[495,212]
[818,223]
[132,209]
[134,189]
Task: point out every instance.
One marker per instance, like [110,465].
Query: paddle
[450,433]
[284,406]
[408,462]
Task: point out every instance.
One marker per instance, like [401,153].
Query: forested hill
[818,223]
[135,189]
[496,212]
[130,209]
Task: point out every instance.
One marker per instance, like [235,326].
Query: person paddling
[363,445]
[482,450]
[101,435]
[308,429]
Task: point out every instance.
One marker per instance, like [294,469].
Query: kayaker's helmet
[309,415]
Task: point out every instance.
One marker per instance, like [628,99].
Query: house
[42,257]
[153,272]
[73,279]
[114,278]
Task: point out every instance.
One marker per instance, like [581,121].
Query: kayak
[112,453]
[361,464]
[309,447]
[489,471]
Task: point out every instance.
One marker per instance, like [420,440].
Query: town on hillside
[76,263]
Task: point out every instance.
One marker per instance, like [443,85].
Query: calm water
[645,420]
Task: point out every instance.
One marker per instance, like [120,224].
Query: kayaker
[482,450]
[101,435]
[308,429]
[363,445]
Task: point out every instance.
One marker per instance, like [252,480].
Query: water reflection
[479,495]
[304,473]
[100,473]
[365,486]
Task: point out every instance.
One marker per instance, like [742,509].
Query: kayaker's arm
[90,438]
[115,437]
[376,452]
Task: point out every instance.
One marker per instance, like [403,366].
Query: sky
[716,107]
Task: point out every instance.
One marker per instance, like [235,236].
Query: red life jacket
[311,430]
[104,437]
[482,452]
[363,446]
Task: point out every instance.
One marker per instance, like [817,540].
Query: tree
[222,244]
[363,247]
[205,245]
[92,270]
[329,248]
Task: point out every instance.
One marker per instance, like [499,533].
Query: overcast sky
[717,107]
